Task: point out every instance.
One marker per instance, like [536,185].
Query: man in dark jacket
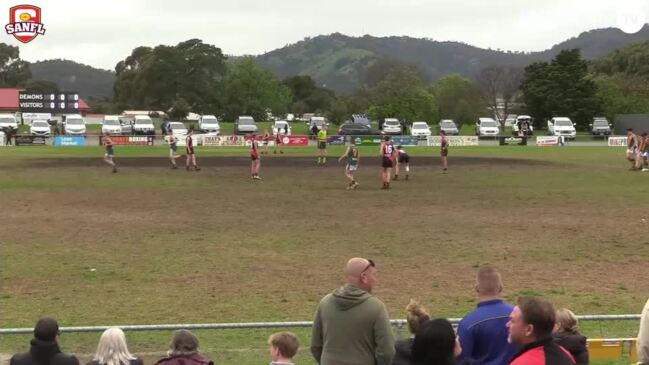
[352,326]
[530,329]
[44,348]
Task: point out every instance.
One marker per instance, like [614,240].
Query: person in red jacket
[530,329]
[184,351]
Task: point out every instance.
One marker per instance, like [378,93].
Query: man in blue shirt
[483,332]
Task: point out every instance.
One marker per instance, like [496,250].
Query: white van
[562,127]
[8,120]
[74,124]
[143,125]
[111,125]
[209,124]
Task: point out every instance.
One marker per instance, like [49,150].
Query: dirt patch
[275,161]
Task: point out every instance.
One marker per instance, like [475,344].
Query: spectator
[44,348]
[483,332]
[112,350]
[183,350]
[530,329]
[416,316]
[567,336]
[436,344]
[283,347]
[352,326]
[643,336]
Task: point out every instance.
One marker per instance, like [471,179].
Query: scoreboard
[64,102]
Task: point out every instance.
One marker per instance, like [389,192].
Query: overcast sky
[100,33]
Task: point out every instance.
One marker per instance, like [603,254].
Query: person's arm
[381,149]
[383,338]
[316,337]
[466,341]
[344,154]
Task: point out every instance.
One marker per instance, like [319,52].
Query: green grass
[176,247]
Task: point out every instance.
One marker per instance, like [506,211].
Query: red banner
[129,140]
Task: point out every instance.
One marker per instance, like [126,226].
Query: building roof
[9,99]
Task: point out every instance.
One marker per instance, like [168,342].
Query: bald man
[352,326]
[483,332]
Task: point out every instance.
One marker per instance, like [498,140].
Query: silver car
[449,127]
[245,125]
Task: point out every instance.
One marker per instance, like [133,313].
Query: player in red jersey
[387,161]
[254,156]
[444,152]
[191,157]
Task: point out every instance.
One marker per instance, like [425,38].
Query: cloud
[102,33]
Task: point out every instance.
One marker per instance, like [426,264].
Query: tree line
[198,77]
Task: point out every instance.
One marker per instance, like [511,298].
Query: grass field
[183,247]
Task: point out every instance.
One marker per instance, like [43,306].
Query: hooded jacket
[575,343]
[352,327]
[43,353]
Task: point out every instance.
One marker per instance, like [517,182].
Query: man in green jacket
[352,326]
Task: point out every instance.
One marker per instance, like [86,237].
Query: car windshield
[143,121]
[391,122]
[246,121]
[39,123]
[419,126]
[563,123]
[74,121]
[209,120]
[7,120]
[111,122]
[488,123]
[280,124]
[447,125]
[317,122]
[177,126]
[600,123]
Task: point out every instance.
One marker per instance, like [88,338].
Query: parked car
[449,126]
[420,130]
[562,126]
[209,124]
[510,120]
[127,127]
[74,124]
[600,127]
[40,127]
[524,124]
[317,122]
[111,125]
[282,127]
[245,124]
[142,124]
[358,129]
[486,127]
[392,126]
[177,129]
[8,121]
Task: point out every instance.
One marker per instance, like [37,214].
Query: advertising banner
[229,141]
[405,140]
[617,141]
[547,141]
[368,140]
[436,141]
[336,140]
[69,141]
[129,140]
[29,140]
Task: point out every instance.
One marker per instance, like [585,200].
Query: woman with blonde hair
[183,350]
[416,316]
[112,349]
[567,335]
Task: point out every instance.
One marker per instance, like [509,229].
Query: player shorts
[109,152]
[322,145]
[404,159]
[190,151]
[351,167]
[173,148]
[254,156]
[444,152]
[387,162]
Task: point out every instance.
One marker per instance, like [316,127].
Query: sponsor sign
[295,140]
[512,141]
[617,141]
[69,141]
[336,140]
[367,140]
[28,140]
[405,140]
[547,141]
[230,141]
[129,140]
[456,141]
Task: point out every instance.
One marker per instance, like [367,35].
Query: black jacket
[131,362]
[575,343]
[403,355]
[543,352]
[43,353]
